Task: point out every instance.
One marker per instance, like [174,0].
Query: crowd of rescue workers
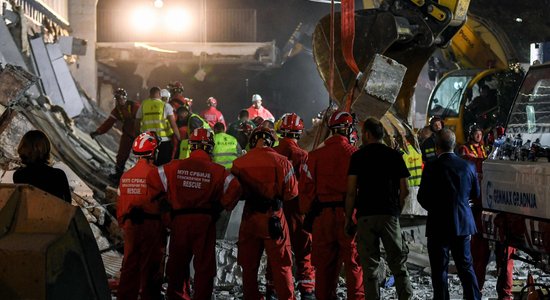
[310,212]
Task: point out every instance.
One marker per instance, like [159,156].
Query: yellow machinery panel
[47,249]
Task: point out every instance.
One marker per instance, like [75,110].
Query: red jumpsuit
[265,174]
[197,189]
[127,115]
[299,238]
[324,179]
[142,242]
[213,116]
[480,246]
[259,112]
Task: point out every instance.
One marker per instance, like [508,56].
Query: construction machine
[370,59]
[516,177]
[482,89]
[408,33]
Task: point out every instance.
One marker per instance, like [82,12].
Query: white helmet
[164,93]
[256,97]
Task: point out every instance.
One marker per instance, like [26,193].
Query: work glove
[94,134]
[275,228]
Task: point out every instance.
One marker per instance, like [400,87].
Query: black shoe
[307,295]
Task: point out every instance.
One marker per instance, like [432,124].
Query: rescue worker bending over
[192,121]
[291,128]
[125,112]
[211,114]
[233,128]
[428,146]
[139,216]
[267,179]
[197,190]
[323,186]
[158,116]
[226,147]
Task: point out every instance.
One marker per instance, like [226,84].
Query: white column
[83,22]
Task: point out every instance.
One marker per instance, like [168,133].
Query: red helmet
[265,133]
[258,121]
[188,102]
[291,125]
[176,87]
[246,127]
[145,144]
[202,138]
[211,101]
[340,119]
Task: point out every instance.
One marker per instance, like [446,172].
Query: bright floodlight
[158,3]
[178,20]
[143,19]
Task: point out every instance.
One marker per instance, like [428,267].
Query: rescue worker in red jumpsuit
[139,216]
[212,115]
[125,112]
[197,190]
[268,180]
[291,129]
[323,187]
[475,151]
[257,110]
[178,100]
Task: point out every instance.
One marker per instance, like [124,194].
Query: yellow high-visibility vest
[225,149]
[413,160]
[184,144]
[153,118]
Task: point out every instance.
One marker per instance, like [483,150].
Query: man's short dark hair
[154,90]
[446,140]
[374,127]
[243,113]
[219,127]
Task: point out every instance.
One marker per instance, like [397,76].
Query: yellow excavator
[390,46]
[481,90]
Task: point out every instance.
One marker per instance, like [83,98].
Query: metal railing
[55,10]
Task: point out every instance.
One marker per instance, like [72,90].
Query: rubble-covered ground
[228,283]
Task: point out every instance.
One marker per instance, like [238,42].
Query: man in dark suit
[446,186]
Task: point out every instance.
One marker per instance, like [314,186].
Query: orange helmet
[291,125]
[265,133]
[211,101]
[202,138]
[146,144]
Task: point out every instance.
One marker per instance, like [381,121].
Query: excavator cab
[464,97]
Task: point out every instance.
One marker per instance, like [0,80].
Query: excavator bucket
[401,33]
[47,249]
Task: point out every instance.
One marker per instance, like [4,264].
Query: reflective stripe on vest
[225,149]
[413,160]
[184,144]
[153,118]
[205,124]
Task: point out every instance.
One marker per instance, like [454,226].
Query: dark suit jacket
[446,186]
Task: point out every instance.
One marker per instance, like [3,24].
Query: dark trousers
[164,154]
[123,153]
[438,250]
